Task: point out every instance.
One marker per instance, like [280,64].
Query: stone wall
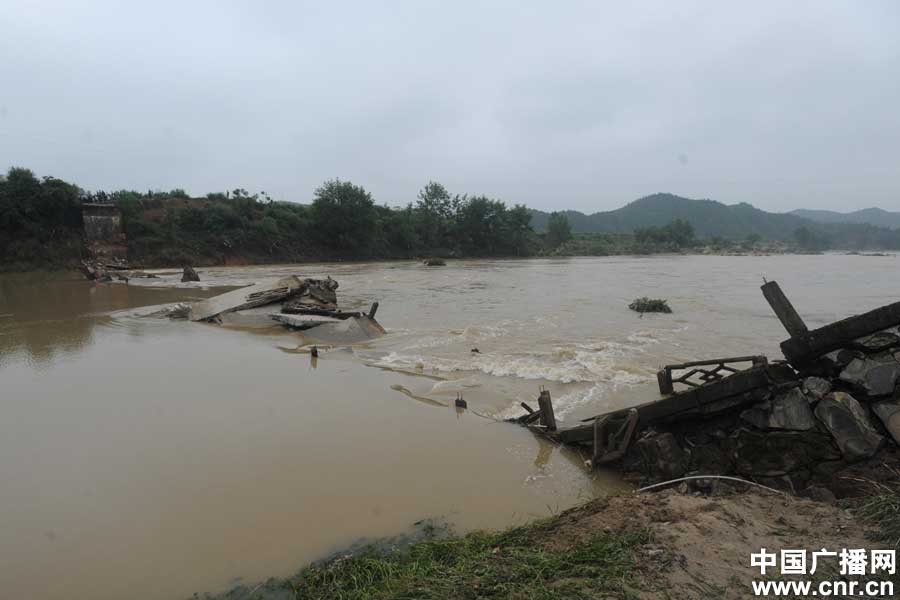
[799,433]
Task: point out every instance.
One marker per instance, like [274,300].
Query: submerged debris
[302,304]
[189,274]
[645,304]
[259,294]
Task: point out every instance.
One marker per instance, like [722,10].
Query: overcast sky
[553,104]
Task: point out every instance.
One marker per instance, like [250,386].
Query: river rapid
[150,458]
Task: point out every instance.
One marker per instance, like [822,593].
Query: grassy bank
[665,545]
[523,562]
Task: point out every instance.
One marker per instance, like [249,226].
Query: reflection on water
[132,447]
[48,314]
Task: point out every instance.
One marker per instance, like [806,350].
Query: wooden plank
[259,294]
[664,379]
[691,400]
[548,419]
[806,348]
[783,308]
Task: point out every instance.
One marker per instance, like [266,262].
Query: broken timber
[246,297]
[725,388]
[804,347]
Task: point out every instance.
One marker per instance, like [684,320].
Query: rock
[889,414]
[790,410]
[819,494]
[709,458]
[758,416]
[816,388]
[849,425]
[841,357]
[878,376]
[777,453]
[663,458]
[878,342]
[189,274]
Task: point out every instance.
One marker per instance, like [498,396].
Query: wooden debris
[548,419]
[722,367]
[783,309]
[806,346]
[248,297]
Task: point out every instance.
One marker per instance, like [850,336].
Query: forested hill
[708,217]
[870,216]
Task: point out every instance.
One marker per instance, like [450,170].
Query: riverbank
[665,545]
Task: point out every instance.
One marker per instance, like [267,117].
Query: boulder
[816,388]
[889,414]
[758,416]
[841,357]
[849,425]
[878,342]
[877,375]
[777,453]
[790,410]
[662,457]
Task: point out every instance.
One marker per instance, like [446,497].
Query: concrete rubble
[808,425]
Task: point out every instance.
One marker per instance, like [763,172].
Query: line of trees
[342,221]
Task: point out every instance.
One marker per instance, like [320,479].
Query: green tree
[558,230]
[343,217]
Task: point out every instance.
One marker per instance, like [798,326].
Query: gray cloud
[568,104]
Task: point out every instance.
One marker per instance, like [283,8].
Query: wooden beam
[548,419]
[783,309]
[682,404]
[808,347]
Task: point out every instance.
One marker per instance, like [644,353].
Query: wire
[692,477]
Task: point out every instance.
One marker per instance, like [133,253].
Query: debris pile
[300,303]
[808,425]
[105,271]
[645,304]
[189,274]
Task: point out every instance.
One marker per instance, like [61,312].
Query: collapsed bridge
[805,425]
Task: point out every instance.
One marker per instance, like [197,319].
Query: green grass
[512,564]
[882,512]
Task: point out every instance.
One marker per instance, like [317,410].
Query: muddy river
[149,458]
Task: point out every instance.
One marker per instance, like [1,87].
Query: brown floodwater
[147,458]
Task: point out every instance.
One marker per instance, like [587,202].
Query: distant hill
[871,216]
[709,218]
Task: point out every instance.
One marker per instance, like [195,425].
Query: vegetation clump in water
[645,304]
